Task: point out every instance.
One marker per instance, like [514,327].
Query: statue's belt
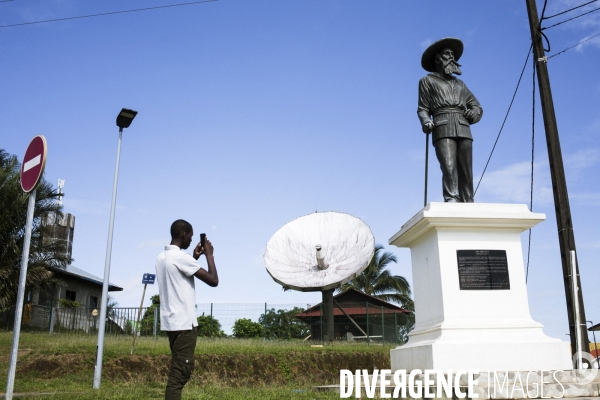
[448,110]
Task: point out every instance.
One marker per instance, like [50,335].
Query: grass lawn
[62,367]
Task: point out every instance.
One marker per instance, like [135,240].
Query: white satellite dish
[320,252]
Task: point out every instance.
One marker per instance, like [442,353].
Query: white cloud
[582,159]
[592,199]
[512,184]
[591,42]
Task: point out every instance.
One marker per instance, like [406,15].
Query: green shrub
[69,303]
[209,326]
[282,324]
[246,328]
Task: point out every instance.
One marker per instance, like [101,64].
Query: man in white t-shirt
[175,272]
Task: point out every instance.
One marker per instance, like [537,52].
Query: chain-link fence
[357,322]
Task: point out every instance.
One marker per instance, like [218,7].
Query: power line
[570,9]
[570,47]
[505,117]
[108,13]
[532,164]
[570,19]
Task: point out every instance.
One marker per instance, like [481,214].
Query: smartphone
[202,240]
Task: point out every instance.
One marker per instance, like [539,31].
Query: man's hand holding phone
[203,247]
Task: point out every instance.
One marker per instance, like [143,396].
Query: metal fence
[353,322]
[80,320]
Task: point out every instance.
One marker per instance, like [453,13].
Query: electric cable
[109,13]
[505,117]
[570,9]
[543,11]
[570,19]
[532,165]
[570,47]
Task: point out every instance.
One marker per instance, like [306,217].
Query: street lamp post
[595,344]
[123,121]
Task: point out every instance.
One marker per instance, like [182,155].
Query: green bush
[282,324]
[246,328]
[69,303]
[209,326]
[147,322]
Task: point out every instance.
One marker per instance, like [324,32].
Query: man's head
[440,52]
[181,233]
[445,62]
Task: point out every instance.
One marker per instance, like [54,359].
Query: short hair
[178,227]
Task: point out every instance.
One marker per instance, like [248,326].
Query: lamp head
[125,117]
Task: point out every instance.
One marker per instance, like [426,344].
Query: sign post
[146,279]
[32,168]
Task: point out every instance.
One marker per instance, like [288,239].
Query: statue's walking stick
[426,165]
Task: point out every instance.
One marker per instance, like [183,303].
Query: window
[70,295]
[93,302]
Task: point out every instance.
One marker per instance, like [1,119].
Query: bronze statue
[453,108]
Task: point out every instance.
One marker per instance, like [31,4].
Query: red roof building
[357,315]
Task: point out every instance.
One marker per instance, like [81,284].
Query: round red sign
[33,163]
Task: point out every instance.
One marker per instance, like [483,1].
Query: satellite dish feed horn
[345,247]
[321,264]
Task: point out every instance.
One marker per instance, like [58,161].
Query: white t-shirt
[175,271]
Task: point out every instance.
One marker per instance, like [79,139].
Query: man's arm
[474,112]
[424,108]
[210,277]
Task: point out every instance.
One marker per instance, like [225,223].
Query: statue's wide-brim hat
[428,58]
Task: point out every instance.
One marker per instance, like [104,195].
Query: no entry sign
[31,171]
[33,163]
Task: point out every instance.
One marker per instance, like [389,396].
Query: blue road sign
[149,279]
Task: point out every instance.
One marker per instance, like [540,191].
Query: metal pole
[566,237]
[328,313]
[101,327]
[426,166]
[382,326]
[135,329]
[211,319]
[155,327]
[595,346]
[368,338]
[265,328]
[51,327]
[321,318]
[396,326]
[576,303]
[20,297]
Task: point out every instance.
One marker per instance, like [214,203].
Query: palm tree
[378,282]
[44,254]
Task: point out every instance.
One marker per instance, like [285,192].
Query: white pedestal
[472,329]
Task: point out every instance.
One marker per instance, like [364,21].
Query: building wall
[83,290]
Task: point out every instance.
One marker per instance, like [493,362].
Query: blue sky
[255,112]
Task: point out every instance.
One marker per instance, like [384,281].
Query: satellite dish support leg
[328,314]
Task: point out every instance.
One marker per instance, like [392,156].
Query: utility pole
[564,222]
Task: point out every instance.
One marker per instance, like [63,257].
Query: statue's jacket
[445,99]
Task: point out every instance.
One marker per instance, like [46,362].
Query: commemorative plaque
[483,270]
